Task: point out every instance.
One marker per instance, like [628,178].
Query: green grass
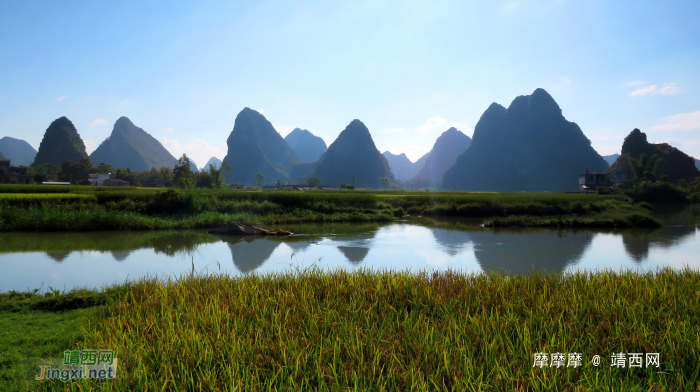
[369,331]
[78,208]
[36,326]
[604,221]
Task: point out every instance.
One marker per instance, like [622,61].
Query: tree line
[180,176]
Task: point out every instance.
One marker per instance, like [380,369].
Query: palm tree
[216,174]
[646,168]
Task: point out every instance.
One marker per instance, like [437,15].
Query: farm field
[82,208]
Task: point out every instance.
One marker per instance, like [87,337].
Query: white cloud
[680,122]
[393,130]
[510,6]
[692,143]
[666,89]
[436,122]
[635,83]
[97,122]
[644,91]
[61,98]
[169,129]
[669,88]
[125,101]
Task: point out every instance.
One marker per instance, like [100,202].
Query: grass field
[375,331]
[79,208]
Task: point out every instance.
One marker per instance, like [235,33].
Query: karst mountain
[18,151]
[402,167]
[254,146]
[441,157]
[529,146]
[678,166]
[354,154]
[61,143]
[131,147]
[216,162]
[307,146]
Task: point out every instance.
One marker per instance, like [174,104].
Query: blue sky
[408,69]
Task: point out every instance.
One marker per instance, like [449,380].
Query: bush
[656,193]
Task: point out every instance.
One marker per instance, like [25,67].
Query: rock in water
[679,166]
[18,151]
[254,146]
[528,147]
[61,143]
[445,151]
[235,228]
[307,146]
[132,147]
[354,153]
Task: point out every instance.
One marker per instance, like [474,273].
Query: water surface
[31,260]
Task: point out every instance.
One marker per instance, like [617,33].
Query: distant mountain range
[678,164]
[254,146]
[2,156]
[131,147]
[402,167]
[61,143]
[18,151]
[441,157]
[307,146]
[354,154]
[213,161]
[697,164]
[528,147]
[611,158]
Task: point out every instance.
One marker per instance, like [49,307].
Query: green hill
[354,153]
[61,143]
[528,147]
[254,146]
[18,151]
[132,147]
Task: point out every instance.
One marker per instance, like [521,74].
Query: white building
[98,178]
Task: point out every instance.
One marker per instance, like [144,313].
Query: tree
[313,181]
[646,168]
[104,168]
[259,179]
[182,173]
[385,181]
[217,174]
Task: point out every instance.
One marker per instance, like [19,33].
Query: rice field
[400,331]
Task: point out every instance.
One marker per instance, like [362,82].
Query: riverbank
[372,330]
[76,208]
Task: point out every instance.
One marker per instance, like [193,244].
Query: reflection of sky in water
[399,246]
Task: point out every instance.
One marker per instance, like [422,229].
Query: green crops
[393,331]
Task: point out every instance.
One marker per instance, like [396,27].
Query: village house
[97,179]
[589,181]
[12,175]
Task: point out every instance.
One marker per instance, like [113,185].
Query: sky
[409,70]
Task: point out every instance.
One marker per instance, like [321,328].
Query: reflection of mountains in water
[249,252]
[58,246]
[638,242]
[516,251]
[523,251]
